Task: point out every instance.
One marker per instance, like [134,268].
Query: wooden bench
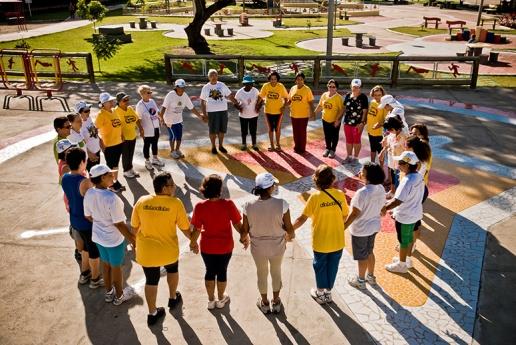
[436,20]
[115,33]
[452,23]
[489,19]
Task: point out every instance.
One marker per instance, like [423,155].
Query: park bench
[491,9]
[436,20]
[452,23]
[115,33]
[489,19]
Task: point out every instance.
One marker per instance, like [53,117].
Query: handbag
[331,196]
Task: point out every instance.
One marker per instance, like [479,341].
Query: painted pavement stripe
[25,145]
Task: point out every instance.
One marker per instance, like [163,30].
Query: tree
[104,47]
[92,10]
[195,40]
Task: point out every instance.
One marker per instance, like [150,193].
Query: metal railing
[371,69]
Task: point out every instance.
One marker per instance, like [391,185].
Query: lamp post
[480,12]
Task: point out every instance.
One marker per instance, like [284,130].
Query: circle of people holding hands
[98,222]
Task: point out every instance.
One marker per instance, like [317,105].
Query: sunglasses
[332,87]
[84,111]
[149,93]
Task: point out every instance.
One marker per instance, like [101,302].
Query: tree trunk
[202,13]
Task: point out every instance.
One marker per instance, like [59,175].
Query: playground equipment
[16,75]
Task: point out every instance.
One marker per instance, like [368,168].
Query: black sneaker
[214,150]
[222,149]
[152,319]
[172,303]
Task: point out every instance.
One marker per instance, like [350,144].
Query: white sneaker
[127,294]
[397,267]
[326,153]
[327,296]
[157,162]
[110,296]
[211,304]
[356,282]
[181,155]
[318,296]
[276,307]
[408,261]
[135,173]
[175,155]
[221,303]
[332,154]
[370,279]
[148,165]
[129,174]
[265,308]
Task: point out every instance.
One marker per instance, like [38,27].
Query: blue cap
[247,80]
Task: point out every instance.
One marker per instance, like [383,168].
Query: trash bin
[153,24]
[493,57]
[372,41]
[230,31]
[132,25]
[345,41]
[207,32]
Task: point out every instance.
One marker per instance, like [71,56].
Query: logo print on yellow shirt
[116,123]
[328,105]
[130,119]
[297,98]
[272,95]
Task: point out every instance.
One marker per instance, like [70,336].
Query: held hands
[245,240]
[194,247]
[289,237]
[383,212]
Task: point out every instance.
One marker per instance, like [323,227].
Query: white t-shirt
[410,193]
[248,102]
[215,96]
[148,113]
[369,200]
[423,168]
[76,138]
[174,105]
[91,135]
[106,209]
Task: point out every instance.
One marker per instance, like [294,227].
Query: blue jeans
[326,266]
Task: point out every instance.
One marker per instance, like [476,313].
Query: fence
[382,69]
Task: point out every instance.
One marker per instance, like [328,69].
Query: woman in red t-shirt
[212,220]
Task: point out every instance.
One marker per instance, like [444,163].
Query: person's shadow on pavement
[276,319]
[231,331]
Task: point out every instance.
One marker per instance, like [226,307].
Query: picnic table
[455,22]
[142,22]
[437,20]
[359,39]
[475,49]
[489,19]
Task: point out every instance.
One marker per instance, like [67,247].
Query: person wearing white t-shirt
[364,222]
[105,210]
[214,103]
[407,209]
[171,114]
[147,110]
[249,104]
[89,133]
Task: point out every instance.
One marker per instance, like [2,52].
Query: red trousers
[299,126]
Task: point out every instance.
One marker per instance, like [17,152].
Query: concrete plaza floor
[472,188]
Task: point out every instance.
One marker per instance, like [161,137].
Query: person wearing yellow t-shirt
[275,96]
[375,120]
[130,122]
[110,130]
[328,210]
[154,221]
[301,109]
[331,105]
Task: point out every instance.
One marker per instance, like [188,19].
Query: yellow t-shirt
[128,118]
[327,220]
[273,97]
[299,101]
[374,116]
[331,106]
[156,217]
[110,127]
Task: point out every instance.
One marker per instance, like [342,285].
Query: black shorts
[89,246]
[113,154]
[274,121]
[218,122]
[375,143]
[362,246]
[216,266]
[152,274]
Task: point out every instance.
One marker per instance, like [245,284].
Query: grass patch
[418,31]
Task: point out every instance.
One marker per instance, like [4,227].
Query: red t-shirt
[214,219]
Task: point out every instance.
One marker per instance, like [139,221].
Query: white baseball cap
[99,170]
[180,83]
[356,82]
[265,180]
[408,157]
[105,97]
[387,99]
[81,106]
[212,71]
[63,145]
